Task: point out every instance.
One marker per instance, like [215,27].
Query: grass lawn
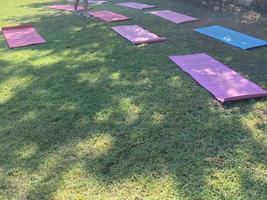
[91,116]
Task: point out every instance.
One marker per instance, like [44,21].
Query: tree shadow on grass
[124,120]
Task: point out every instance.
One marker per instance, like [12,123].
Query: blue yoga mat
[232,37]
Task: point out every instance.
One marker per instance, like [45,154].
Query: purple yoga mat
[108,16]
[137,35]
[175,17]
[221,81]
[135,5]
[64,7]
[20,36]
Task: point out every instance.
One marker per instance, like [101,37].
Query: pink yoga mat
[221,81]
[137,35]
[135,5]
[64,7]
[175,17]
[20,36]
[108,16]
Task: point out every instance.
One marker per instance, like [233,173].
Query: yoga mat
[90,2]
[135,5]
[232,37]
[20,36]
[65,7]
[108,16]
[137,35]
[221,81]
[96,2]
[175,17]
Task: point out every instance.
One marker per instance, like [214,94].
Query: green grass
[90,116]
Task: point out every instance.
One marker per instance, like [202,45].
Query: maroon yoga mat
[137,35]
[221,81]
[108,16]
[20,36]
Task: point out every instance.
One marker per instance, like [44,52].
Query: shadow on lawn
[155,122]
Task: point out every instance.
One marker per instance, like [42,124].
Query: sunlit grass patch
[225,183]
[142,186]
[157,117]
[78,177]
[115,76]
[89,77]
[130,109]
[11,86]
[27,151]
[94,146]
[103,115]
